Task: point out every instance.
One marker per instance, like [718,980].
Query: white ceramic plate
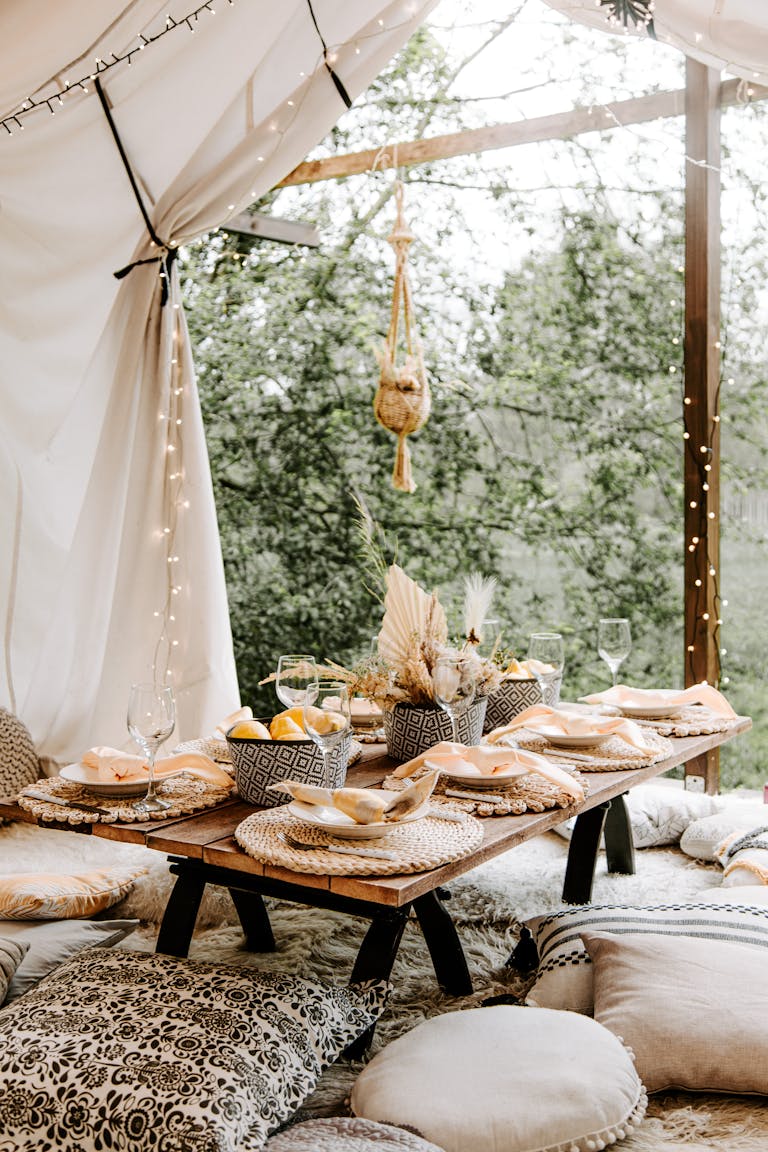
[339,824]
[646,712]
[475,780]
[566,740]
[89,778]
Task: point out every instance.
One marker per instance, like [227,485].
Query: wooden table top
[209,835]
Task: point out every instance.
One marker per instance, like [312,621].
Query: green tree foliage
[553,455]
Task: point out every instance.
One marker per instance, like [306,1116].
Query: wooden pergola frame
[700,102]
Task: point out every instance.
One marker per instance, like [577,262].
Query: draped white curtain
[731,35]
[110,564]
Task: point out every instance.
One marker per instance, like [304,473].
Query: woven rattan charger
[693,720]
[185,794]
[418,845]
[531,793]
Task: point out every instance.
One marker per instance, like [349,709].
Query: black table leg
[180,914]
[582,854]
[254,920]
[444,945]
[374,962]
[619,845]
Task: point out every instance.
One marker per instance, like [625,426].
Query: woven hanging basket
[402,402]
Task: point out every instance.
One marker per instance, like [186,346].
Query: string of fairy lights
[706,577]
[81,85]
[174,500]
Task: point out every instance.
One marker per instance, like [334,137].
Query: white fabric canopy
[731,35]
[111,568]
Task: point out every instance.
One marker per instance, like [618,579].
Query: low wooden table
[202,850]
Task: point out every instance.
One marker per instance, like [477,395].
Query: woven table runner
[418,845]
[186,795]
[531,793]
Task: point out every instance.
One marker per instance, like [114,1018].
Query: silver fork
[300,846]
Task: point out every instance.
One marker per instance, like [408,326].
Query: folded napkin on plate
[622,695]
[245,713]
[539,718]
[364,805]
[113,765]
[488,762]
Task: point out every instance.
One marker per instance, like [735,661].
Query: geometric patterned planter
[259,763]
[411,730]
[513,697]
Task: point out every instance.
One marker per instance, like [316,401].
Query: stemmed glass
[614,643]
[327,719]
[151,719]
[547,648]
[453,683]
[296,677]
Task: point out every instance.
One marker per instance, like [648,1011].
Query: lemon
[284,727]
[249,730]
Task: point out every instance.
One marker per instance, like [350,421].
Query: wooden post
[702,390]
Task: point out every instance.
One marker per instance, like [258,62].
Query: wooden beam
[702,387]
[264,227]
[559,126]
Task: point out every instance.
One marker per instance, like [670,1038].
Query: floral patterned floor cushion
[143,1052]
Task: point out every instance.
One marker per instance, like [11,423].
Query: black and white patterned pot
[410,730]
[259,763]
[513,697]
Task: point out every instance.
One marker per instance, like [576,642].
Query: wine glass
[546,648]
[327,719]
[296,679]
[151,719]
[453,683]
[614,643]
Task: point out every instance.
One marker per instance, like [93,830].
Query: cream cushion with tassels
[48,896]
[505,1079]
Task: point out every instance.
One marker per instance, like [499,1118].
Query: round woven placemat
[613,756]
[695,720]
[186,795]
[418,845]
[531,793]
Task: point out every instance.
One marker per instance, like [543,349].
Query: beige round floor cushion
[347,1134]
[506,1079]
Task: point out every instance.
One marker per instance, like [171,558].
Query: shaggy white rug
[487,906]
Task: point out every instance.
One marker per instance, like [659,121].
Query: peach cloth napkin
[113,765]
[486,762]
[663,697]
[542,719]
[245,713]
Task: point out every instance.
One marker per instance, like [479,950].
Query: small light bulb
[697,583]
[690,647]
[705,615]
[693,504]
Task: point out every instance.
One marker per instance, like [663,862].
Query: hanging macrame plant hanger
[402,401]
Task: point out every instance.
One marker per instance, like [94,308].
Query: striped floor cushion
[564,972]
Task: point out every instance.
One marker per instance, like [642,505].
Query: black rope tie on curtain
[339,86]
[169,253]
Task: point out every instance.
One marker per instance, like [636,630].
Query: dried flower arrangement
[413,636]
